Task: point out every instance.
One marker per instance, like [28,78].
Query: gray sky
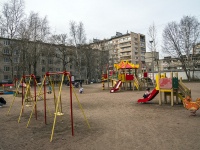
[102,18]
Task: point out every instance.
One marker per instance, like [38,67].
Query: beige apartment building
[130,46]
[151,62]
[15,60]
[19,56]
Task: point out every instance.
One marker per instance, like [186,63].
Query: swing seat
[59,114]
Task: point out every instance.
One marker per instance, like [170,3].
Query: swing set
[57,98]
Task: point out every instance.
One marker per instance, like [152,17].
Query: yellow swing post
[35,102]
[55,99]
[23,101]
[14,97]
[57,104]
[80,106]
[29,96]
[53,89]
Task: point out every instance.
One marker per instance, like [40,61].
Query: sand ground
[117,123]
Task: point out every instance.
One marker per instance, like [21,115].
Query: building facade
[20,57]
[23,57]
[130,46]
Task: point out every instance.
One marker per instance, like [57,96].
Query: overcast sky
[103,18]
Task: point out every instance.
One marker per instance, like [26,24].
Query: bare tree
[179,39]
[23,43]
[63,51]
[152,45]
[12,14]
[103,47]
[90,62]
[78,38]
[152,35]
[39,31]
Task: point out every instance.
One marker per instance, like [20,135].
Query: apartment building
[23,57]
[174,64]
[17,58]
[130,46]
[151,62]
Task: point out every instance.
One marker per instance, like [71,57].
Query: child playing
[2,101]
[49,90]
[147,93]
[81,90]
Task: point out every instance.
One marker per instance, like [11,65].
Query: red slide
[150,97]
[116,87]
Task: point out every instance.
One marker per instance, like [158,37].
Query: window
[15,60]
[166,68]
[57,69]
[50,61]
[6,68]
[6,60]
[142,44]
[6,51]
[43,69]
[16,68]
[6,77]
[16,52]
[179,68]
[50,69]
[6,42]
[43,62]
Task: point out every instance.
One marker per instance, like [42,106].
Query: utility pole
[152,65]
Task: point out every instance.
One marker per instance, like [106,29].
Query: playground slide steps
[181,96]
[183,90]
[137,83]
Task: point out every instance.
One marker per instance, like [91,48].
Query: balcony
[125,54]
[142,44]
[127,44]
[125,50]
[128,59]
[124,41]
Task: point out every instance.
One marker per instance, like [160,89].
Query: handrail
[136,83]
[183,89]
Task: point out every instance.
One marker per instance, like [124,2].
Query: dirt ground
[117,123]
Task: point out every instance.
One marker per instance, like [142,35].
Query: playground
[117,121]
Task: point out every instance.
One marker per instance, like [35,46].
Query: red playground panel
[129,77]
[165,83]
[145,74]
[8,84]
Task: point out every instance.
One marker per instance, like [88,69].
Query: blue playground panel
[6,93]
